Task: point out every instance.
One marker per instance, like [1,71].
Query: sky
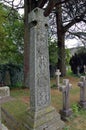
[71,43]
[19,2]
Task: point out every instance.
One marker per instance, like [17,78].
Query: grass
[20,104]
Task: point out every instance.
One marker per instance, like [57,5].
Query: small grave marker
[78,70]
[57,73]
[65,88]
[82,85]
[84,69]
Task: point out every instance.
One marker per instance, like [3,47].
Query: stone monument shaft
[39,60]
[41,116]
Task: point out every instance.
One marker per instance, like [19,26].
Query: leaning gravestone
[41,116]
[66,110]
[82,85]
[4,93]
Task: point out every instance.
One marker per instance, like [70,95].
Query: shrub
[77,62]
[11,74]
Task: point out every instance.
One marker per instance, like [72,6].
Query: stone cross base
[65,114]
[45,119]
[82,104]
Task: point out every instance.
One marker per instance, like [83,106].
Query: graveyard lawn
[17,108]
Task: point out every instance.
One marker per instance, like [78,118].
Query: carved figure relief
[42,97]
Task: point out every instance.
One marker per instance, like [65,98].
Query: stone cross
[82,85]
[4,93]
[84,69]
[78,70]
[41,116]
[65,88]
[57,73]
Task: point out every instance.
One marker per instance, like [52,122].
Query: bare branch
[41,3]
[52,4]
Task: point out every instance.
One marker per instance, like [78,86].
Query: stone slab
[4,127]
[47,119]
[4,91]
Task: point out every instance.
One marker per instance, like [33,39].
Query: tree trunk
[29,5]
[61,41]
[26,45]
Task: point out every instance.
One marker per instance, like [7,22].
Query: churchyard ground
[20,104]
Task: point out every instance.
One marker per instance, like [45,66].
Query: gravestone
[84,69]
[41,116]
[66,110]
[7,78]
[57,73]
[82,85]
[78,70]
[4,93]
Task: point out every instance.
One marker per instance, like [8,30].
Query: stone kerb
[65,89]
[4,93]
[82,85]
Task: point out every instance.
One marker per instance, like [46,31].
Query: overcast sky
[70,43]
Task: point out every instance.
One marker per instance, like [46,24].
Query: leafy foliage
[53,50]
[11,75]
[11,40]
[67,51]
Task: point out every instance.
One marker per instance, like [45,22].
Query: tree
[2,20]
[11,49]
[53,50]
[68,13]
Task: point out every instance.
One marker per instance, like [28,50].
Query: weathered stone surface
[39,60]
[4,127]
[4,93]
[57,73]
[45,119]
[66,110]
[41,115]
[82,85]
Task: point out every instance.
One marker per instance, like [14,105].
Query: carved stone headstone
[41,115]
[82,85]
[66,110]
[4,93]
[57,73]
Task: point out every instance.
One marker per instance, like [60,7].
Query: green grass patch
[18,107]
